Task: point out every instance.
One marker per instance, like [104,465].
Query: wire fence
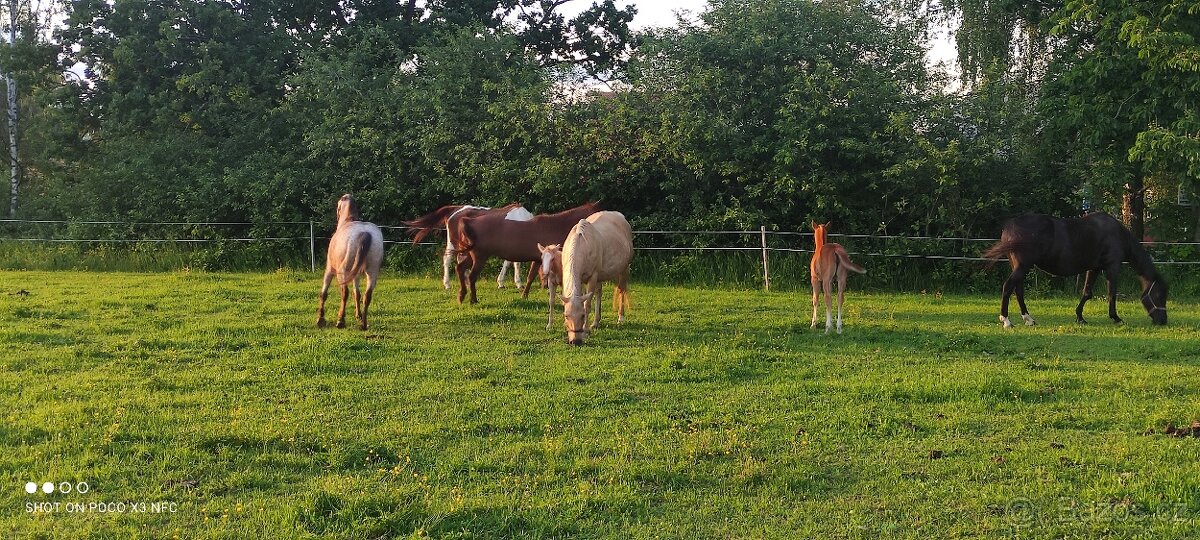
[303,234]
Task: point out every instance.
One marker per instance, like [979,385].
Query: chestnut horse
[830,262]
[355,250]
[490,235]
[597,249]
[1067,247]
[551,273]
[443,217]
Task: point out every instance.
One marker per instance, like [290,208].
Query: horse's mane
[594,206]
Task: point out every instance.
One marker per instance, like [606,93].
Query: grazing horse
[1067,247]
[356,249]
[830,262]
[597,249]
[490,235]
[551,273]
[446,216]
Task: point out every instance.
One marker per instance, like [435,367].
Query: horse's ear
[541,248]
[564,299]
[586,297]
[812,224]
[828,223]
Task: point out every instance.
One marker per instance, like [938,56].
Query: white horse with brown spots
[355,250]
[597,249]
[551,273]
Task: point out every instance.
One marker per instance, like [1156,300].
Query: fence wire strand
[313,239]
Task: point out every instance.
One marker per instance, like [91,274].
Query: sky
[662,13]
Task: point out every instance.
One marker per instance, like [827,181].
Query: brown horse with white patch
[830,262]
[490,235]
[446,218]
[355,250]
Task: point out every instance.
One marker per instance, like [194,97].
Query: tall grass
[891,271]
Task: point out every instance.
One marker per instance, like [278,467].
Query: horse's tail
[360,246]
[844,260]
[430,222]
[1000,250]
[461,235]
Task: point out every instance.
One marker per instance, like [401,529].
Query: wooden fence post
[766,271]
[312,247]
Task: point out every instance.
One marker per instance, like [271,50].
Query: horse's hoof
[1080,320]
[1007,323]
[362,327]
[340,324]
[1117,320]
[839,331]
[321,323]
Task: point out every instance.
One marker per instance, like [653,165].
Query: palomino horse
[490,235]
[1066,247]
[597,249]
[551,273]
[443,217]
[830,262]
[356,249]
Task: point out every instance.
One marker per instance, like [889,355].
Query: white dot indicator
[48,488]
[31,487]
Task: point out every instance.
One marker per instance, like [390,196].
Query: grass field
[709,414]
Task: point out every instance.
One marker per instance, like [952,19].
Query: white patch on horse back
[467,207]
[518,214]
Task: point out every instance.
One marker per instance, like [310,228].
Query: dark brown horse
[490,235]
[1066,247]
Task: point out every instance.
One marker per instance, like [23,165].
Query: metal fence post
[766,272]
[312,247]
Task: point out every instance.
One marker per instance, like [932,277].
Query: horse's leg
[598,298]
[621,296]
[528,281]
[815,284]
[1113,272]
[503,274]
[461,269]
[329,273]
[841,296]
[827,287]
[358,312]
[371,277]
[476,269]
[341,320]
[516,267]
[447,257]
[550,309]
[1086,295]
[1025,316]
[1010,285]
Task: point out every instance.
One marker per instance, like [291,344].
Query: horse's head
[819,231]
[347,209]
[575,311]
[1154,299]
[551,260]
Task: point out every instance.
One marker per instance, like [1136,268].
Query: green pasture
[711,413]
